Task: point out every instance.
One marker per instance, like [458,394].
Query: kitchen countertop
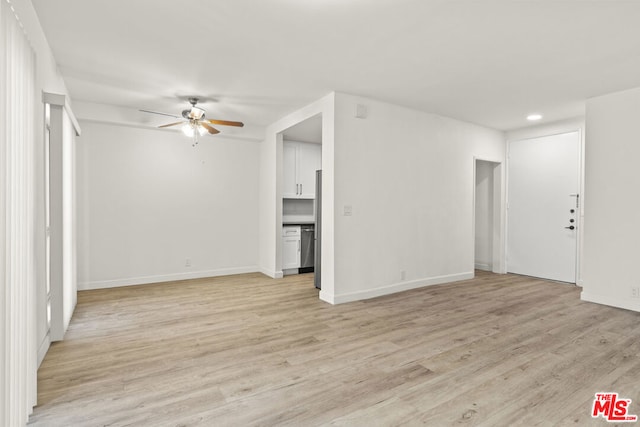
[297,219]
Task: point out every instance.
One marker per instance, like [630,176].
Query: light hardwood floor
[249,350]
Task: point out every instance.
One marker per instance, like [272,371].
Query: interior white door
[543,186]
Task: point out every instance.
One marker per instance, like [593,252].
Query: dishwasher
[306,248]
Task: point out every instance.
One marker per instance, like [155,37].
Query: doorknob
[571,227]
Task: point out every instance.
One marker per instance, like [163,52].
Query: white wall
[484,216]
[148,200]
[612,180]
[70,266]
[546,129]
[408,176]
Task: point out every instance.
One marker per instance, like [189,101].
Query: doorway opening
[301,198]
[488,216]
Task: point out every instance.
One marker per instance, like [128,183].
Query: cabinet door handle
[298,245]
[301,189]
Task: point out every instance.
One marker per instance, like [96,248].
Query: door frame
[580,222]
[44,342]
[498,264]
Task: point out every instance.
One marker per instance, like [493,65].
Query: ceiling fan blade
[225,122]
[211,129]
[162,114]
[171,124]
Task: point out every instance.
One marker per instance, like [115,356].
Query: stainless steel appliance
[306,248]
[317,211]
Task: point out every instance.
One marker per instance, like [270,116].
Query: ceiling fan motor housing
[193,113]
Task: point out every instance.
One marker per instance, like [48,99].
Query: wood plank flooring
[498,350]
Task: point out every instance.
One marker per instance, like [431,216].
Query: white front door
[543,199]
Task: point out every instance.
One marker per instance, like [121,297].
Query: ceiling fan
[194,123]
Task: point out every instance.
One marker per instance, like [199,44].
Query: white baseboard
[102,284]
[393,288]
[43,348]
[272,274]
[627,304]
[481,266]
[326,297]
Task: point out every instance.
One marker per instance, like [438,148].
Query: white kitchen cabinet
[289,167]
[300,161]
[290,247]
[309,161]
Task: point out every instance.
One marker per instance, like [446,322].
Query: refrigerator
[317,214]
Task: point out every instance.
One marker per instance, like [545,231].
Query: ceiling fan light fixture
[196,113]
[201,130]
[188,130]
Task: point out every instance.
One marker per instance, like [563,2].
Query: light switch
[348,210]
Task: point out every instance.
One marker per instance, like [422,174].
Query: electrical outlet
[187,262]
[635,292]
[403,275]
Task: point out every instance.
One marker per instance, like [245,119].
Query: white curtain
[18,367]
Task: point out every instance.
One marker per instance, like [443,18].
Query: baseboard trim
[627,304]
[326,297]
[272,274]
[393,288]
[485,267]
[103,284]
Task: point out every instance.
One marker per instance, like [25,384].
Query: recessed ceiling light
[534,117]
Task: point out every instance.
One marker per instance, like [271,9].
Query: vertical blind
[17,200]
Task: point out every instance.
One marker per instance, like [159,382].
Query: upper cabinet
[300,161]
[289,167]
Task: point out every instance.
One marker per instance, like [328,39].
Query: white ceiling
[487,62]
[309,130]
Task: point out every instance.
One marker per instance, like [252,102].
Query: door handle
[571,227]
